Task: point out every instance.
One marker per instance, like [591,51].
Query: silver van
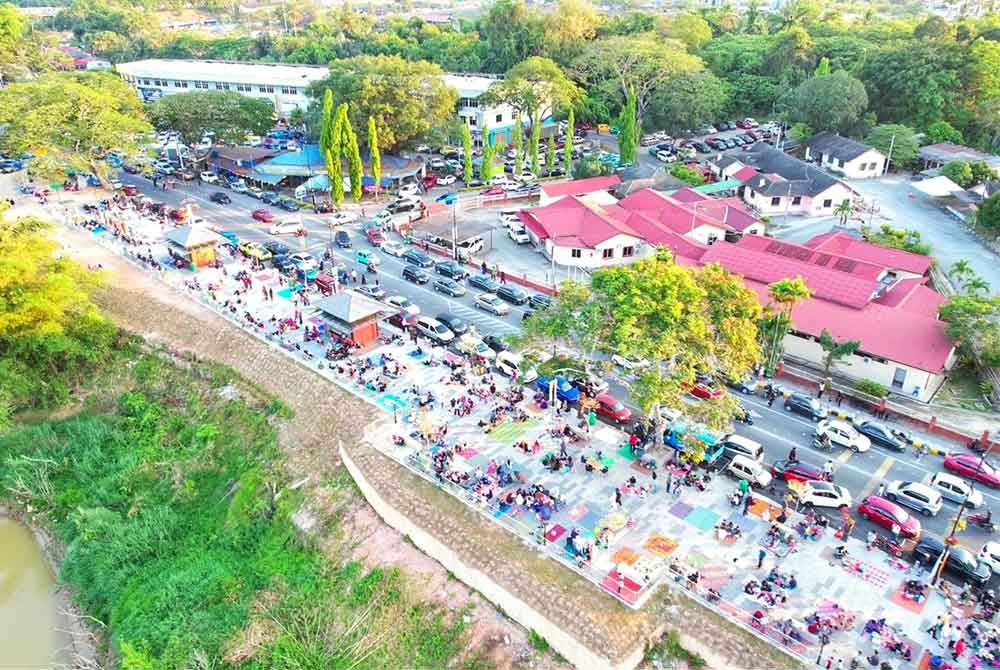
[737,445]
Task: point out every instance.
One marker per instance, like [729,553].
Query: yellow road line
[877,477]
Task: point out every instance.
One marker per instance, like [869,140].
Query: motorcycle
[822,442]
[983,520]
[888,546]
[372,269]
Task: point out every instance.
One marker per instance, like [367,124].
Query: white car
[255,192]
[666,157]
[489,302]
[422,149]
[115,184]
[209,177]
[844,435]
[470,344]
[447,180]
[403,304]
[409,189]
[990,555]
[956,490]
[239,187]
[527,176]
[338,218]
[823,494]
[915,495]
[500,180]
[519,235]
[629,364]
[392,248]
[304,262]
[285,227]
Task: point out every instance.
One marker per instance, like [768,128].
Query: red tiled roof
[807,255]
[830,285]
[572,222]
[841,243]
[745,173]
[917,340]
[581,186]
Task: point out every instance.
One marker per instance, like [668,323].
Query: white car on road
[286,227]
[843,434]
[519,235]
[338,218]
[447,180]
[489,302]
[403,304]
[823,494]
[209,177]
[629,364]
[409,189]
[392,248]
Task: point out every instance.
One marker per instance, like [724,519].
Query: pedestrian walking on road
[881,489]
[793,455]
[959,649]
[761,554]
[771,395]
[935,628]
[747,501]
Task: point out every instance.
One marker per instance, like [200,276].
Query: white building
[775,183]
[852,159]
[500,119]
[284,85]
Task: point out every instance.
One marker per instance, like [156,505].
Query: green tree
[688,100]
[689,28]
[834,350]
[628,131]
[687,175]
[959,172]
[823,69]
[536,139]
[916,83]
[326,123]
[489,153]
[569,28]
[801,131]
[374,155]
[467,152]
[784,294]
[518,138]
[355,168]
[972,324]
[568,143]
[590,167]
[641,64]
[70,121]
[982,172]
[533,88]
[942,131]
[24,51]
[902,140]
[407,100]
[833,102]
[509,33]
[844,211]
[897,238]
[550,155]
[332,157]
[988,215]
[229,114]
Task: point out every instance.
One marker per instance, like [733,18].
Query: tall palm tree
[960,269]
[975,285]
[844,211]
[786,293]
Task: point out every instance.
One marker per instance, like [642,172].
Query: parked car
[209,177]
[880,435]
[612,409]
[473,346]
[304,262]
[747,384]
[540,301]
[283,264]
[418,258]
[430,181]
[372,291]
[496,343]
[915,495]
[375,237]
[752,471]
[512,294]
[447,180]
[816,493]
[518,235]
[262,215]
[970,467]
[455,324]
[956,490]
[448,287]
[629,364]
[403,304]
[990,555]
[270,198]
[277,248]
[342,239]
[960,562]
[843,434]
[254,250]
[807,406]
[705,391]
[130,190]
[415,274]
[220,198]
[564,389]
[886,513]
[798,471]
[483,283]
[287,204]
[433,328]
[493,190]
[341,218]
[452,270]
[392,248]
[409,189]
[489,302]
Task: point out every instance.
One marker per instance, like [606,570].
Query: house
[352,315]
[852,159]
[193,244]
[774,183]
[939,155]
[243,162]
[581,230]
[598,189]
[500,119]
[861,291]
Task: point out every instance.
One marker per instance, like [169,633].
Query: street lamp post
[943,558]
[451,198]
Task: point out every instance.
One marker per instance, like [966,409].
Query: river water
[28,614]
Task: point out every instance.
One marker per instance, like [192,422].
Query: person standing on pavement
[747,501]
[935,628]
[761,554]
[828,468]
[959,649]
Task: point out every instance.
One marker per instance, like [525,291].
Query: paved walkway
[601,514]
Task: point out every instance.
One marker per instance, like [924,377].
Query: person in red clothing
[959,649]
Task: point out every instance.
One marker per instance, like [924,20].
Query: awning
[938,187]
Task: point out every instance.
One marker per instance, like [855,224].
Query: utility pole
[888,158]
[943,558]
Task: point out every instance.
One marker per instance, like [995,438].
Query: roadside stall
[192,245]
[352,315]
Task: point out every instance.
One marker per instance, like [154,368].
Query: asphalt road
[775,428]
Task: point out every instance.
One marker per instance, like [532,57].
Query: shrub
[871,387]
[537,641]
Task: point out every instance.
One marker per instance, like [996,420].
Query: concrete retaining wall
[570,648]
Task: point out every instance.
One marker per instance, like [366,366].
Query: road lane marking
[844,457]
[877,477]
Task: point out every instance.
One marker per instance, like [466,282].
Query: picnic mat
[507,432]
[680,510]
[762,507]
[626,453]
[608,461]
[285,293]
[702,518]
[625,555]
[468,452]
[554,533]
[910,606]
[660,545]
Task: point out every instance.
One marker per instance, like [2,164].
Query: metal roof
[271,74]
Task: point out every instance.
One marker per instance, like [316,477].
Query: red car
[798,472]
[493,190]
[612,409]
[885,513]
[430,181]
[130,190]
[704,391]
[375,237]
[968,466]
[262,215]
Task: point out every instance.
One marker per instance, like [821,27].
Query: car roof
[819,484]
[921,487]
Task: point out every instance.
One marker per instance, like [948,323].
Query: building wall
[707,234]
[918,384]
[616,247]
[822,204]
[285,98]
[867,165]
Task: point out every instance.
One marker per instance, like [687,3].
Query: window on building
[177,84]
[201,84]
[145,82]
[827,204]
[628,252]
[608,253]
[797,200]
[472,121]
[245,88]
[775,202]
[840,162]
[218,86]
[898,378]
[266,89]
[499,118]
[873,166]
[184,84]
[576,253]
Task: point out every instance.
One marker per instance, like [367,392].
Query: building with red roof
[597,189]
